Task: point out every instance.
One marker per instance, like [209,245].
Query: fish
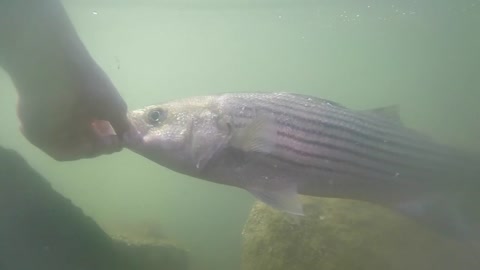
[280,145]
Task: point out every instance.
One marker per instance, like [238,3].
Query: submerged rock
[340,234]
[145,245]
[42,230]
[153,255]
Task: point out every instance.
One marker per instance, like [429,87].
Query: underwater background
[421,55]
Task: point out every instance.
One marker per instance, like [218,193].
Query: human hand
[70,115]
[67,104]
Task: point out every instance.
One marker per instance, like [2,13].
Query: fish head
[180,135]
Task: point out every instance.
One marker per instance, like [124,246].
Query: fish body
[278,145]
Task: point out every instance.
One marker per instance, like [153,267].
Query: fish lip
[135,136]
[135,118]
[132,139]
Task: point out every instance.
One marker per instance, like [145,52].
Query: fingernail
[102,128]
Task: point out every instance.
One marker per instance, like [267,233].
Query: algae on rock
[338,234]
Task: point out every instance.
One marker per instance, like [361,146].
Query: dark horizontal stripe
[358,143]
[374,124]
[323,169]
[334,110]
[339,110]
[249,112]
[367,134]
[319,157]
[434,160]
[387,132]
[414,156]
[394,164]
[396,159]
[441,159]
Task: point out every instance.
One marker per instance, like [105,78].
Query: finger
[75,143]
[102,128]
[105,137]
[99,143]
[121,124]
[114,110]
[64,149]
[85,149]
[72,152]
[105,145]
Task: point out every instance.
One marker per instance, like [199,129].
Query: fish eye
[156,116]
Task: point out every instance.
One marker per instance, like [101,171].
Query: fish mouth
[135,136]
[135,118]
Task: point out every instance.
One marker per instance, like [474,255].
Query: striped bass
[278,145]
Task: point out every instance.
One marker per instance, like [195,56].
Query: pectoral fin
[282,196]
[201,148]
[204,155]
[257,136]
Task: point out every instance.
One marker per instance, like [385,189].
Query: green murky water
[421,55]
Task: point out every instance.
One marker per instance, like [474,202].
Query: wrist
[39,46]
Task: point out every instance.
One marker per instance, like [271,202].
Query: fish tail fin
[455,215]
[452,205]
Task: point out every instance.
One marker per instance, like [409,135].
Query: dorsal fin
[316,99]
[390,113]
